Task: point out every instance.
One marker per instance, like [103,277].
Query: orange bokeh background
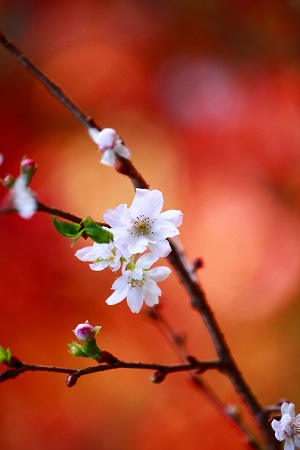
[207,97]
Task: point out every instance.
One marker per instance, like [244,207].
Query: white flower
[22,198]
[102,256]
[288,427]
[138,283]
[142,225]
[110,144]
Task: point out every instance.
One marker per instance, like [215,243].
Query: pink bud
[84,331]
[28,168]
[8,181]
[27,164]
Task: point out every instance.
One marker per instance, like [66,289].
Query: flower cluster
[20,196]
[288,427]
[137,228]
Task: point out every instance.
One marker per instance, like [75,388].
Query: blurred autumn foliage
[207,97]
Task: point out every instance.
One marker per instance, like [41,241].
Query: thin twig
[176,258]
[165,369]
[41,207]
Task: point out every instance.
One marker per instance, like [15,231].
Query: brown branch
[23,367]
[63,214]
[178,343]
[176,258]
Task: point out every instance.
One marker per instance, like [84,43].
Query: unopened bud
[28,168]
[71,380]
[158,377]
[8,181]
[84,331]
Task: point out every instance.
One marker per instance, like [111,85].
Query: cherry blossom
[142,225]
[138,283]
[288,427]
[101,255]
[109,144]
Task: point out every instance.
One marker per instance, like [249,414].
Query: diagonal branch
[176,258]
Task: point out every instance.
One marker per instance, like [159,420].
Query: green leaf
[67,229]
[5,355]
[96,232]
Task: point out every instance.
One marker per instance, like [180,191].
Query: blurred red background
[207,97]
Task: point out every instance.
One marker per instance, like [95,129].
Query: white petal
[108,158]
[101,265]
[159,273]
[137,244]
[107,138]
[291,410]
[115,298]
[151,299]
[276,425]
[94,134]
[135,299]
[145,261]
[113,216]
[146,202]
[122,151]
[172,215]
[86,254]
[120,283]
[160,248]
[151,286]
[289,445]
[285,408]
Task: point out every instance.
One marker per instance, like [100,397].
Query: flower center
[136,283]
[142,226]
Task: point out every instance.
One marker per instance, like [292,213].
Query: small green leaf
[96,232]
[5,355]
[67,229]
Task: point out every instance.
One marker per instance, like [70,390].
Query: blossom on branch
[85,331]
[138,283]
[142,225]
[101,255]
[288,427]
[110,144]
[23,199]
[20,196]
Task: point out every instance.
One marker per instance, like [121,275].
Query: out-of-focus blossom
[288,427]
[22,198]
[110,144]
